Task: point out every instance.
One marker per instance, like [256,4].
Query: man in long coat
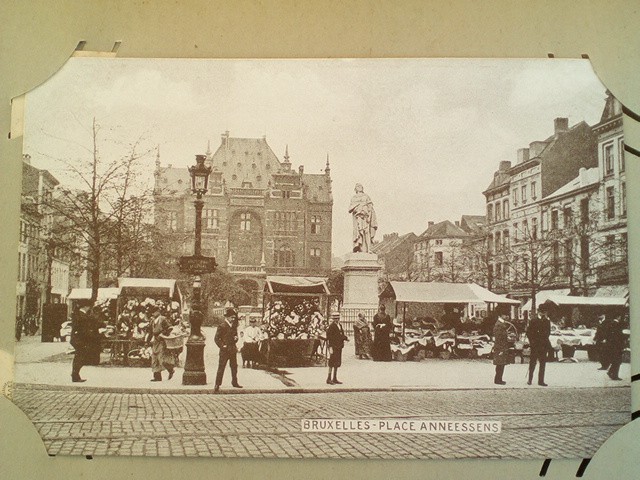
[84,335]
[500,348]
[616,343]
[538,333]
[335,342]
[226,338]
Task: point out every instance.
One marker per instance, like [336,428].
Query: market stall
[295,317]
[128,344]
[456,299]
[582,313]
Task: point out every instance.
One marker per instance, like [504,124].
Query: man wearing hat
[226,338]
[335,341]
[538,333]
[84,336]
[600,340]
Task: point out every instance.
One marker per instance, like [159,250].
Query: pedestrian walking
[600,340]
[161,357]
[335,342]
[226,338]
[362,337]
[84,335]
[500,348]
[615,342]
[382,325]
[538,333]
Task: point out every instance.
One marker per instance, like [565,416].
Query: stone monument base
[360,288]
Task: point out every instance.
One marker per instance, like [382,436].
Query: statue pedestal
[360,293]
[361,281]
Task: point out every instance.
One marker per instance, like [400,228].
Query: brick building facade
[261,217]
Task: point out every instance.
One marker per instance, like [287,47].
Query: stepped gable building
[395,252]
[261,217]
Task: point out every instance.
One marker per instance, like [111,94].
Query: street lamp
[194,373]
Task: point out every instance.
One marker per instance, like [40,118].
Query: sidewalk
[47,364]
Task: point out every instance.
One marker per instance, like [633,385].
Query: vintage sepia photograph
[348,258]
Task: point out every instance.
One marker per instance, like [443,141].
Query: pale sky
[423,136]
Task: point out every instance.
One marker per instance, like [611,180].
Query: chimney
[225,139]
[301,169]
[504,166]
[536,148]
[560,124]
[582,176]
[430,224]
[523,155]
[457,222]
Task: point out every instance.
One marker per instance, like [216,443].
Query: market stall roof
[151,287]
[587,301]
[543,296]
[282,284]
[442,292]
[85,294]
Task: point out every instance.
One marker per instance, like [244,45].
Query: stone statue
[364,220]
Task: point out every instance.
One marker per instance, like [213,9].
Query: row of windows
[284,221]
[521,195]
[27,266]
[498,211]
[285,257]
[28,231]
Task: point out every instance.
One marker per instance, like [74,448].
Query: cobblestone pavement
[550,423]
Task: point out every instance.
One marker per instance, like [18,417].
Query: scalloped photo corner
[355,258]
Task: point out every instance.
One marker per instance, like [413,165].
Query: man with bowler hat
[226,338]
[538,333]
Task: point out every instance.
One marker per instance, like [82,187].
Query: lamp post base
[194,373]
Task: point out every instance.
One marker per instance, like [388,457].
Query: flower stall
[295,318]
[129,343]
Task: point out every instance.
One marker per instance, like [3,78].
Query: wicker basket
[173,343]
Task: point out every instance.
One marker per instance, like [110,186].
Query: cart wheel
[445,355]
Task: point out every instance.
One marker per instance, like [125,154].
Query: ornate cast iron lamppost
[194,373]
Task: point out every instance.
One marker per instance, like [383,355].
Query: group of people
[86,339]
[538,332]
[379,348]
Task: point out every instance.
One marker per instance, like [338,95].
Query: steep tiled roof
[390,242]
[245,160]
[585,178]
[473,224]
[248,162]
[444,229]
[317,186]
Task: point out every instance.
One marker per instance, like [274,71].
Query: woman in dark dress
[335,342]
[382,326]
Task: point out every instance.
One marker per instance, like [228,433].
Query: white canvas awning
[153,284]
[587,301]
[441,292]
[283,284]
[543,296]
[85,294]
